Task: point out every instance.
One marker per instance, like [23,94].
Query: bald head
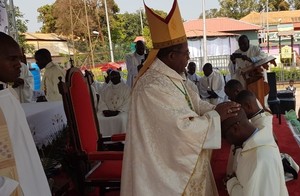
[10,56]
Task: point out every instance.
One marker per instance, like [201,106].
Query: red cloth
[287,144]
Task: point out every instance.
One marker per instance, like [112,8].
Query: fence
[284,71]
[221,62]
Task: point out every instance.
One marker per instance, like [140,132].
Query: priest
[21,171]
[170,130]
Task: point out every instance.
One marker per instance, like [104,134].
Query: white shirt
[50,81]
[254,52]
[115,97]
[213,82]
[259,168]
[25,92]
[132,61]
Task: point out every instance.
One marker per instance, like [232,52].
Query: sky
[190,9]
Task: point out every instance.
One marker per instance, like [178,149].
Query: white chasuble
[31,176]
[167,129]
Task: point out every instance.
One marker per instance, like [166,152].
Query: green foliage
[21,25]
[47,18]
[284,74]
[240,8]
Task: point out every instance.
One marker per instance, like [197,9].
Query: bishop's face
[180,58]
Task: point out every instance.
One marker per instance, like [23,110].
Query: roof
[292,16]
[199,33]
[54,43]
[43,37]
[219,26]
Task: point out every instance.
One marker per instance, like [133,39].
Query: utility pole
[109,36]
[141,18]
[89,34]
[204,34]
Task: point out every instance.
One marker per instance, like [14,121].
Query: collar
[257,113]
[260,137]
[50,64]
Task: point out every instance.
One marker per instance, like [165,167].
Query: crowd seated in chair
[93,166]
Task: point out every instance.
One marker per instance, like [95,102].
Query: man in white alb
[212,85]
[133,61]
[21,171]
[23,85]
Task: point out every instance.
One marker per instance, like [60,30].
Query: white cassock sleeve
[7,185]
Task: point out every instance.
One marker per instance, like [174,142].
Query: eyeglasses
[187,53]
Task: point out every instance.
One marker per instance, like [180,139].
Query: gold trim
[168,43]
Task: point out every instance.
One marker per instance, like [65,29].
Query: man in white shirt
[259,167]
[52,72]
[21,171]
[244,57]
[115,97]
[211,85]
[191,73]
[133,61]
[23,85]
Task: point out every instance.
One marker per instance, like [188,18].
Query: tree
[212,13]
[240,8]
[236,8]
[47,18]
[21,25]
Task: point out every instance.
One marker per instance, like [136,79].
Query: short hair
[233,84]
[207,66]
[43,52]
[5,41]
[291,80]
[245,96]
[242,37]
[192,63]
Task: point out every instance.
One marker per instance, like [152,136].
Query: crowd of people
[175,117]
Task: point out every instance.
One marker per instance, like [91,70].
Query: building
[283,28]
[57,46]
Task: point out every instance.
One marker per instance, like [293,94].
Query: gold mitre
[165,32]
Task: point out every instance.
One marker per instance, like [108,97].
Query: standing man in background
[52,72]
[133,61]
[244,57]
